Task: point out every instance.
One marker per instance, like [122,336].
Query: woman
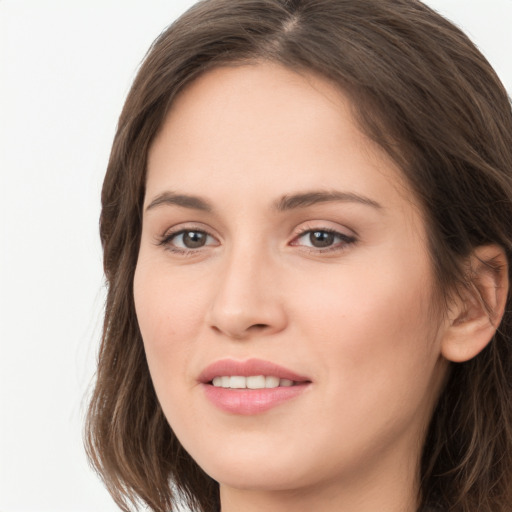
[307,242]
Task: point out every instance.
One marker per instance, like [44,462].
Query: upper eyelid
[188,226]
[302,231]
[299,231]
[326,230]
[318,225]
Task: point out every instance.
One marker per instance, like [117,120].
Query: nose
[247,301]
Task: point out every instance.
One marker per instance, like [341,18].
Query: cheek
[374,346]
[373,334]
[169,314]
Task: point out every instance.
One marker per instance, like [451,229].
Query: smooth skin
[273,228]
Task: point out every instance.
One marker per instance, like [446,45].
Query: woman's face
[279,244]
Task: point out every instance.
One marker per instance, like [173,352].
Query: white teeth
[236,382]
[252,382]
[257,382]
[271,382]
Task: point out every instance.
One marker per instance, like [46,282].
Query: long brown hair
[422,91]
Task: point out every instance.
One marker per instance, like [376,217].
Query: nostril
[258,327]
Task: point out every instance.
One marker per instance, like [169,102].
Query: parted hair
[423,92]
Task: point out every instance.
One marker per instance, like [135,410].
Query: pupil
[321,239]
[194,239]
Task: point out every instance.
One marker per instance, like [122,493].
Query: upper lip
[246,368]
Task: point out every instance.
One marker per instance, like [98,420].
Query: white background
[65,68]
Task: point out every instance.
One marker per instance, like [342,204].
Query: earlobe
[478,308]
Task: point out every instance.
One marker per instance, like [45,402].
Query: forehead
[249,127]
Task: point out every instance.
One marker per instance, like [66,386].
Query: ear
[478,308]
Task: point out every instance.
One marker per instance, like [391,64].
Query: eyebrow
[285,203]
[303,200]
[183,200]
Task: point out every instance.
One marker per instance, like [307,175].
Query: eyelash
[166,241]
[346,240]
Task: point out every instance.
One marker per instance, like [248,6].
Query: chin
[259,468]
[257,477]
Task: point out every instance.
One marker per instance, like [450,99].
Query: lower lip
[251,401]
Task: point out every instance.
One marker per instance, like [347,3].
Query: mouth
[250,387]
[251,382]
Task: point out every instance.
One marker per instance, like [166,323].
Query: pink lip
[250,401]
[246,369]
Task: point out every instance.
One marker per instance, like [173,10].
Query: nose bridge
[246,299]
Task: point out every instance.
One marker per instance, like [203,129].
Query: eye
[187,240]
[323,239]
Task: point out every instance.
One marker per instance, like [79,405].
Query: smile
[251,382]
[250,387]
